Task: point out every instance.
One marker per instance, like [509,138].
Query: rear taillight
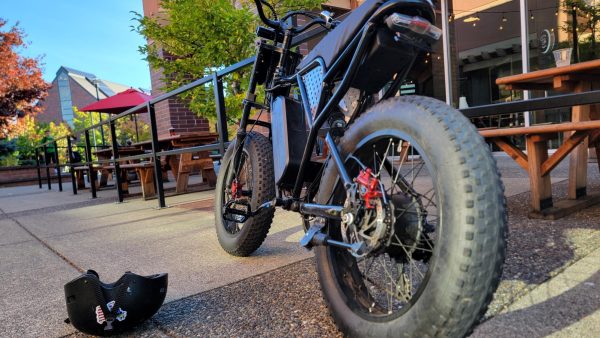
[400,23]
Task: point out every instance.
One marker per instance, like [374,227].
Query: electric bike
[399,196]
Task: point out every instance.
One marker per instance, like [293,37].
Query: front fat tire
[471,197]
[254,231]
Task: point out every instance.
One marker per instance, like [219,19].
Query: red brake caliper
[368,187]
[236,189]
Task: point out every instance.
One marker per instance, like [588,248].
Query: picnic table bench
[145,171]
[184,164]
[581,132]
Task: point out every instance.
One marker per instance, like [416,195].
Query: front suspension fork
[240,137]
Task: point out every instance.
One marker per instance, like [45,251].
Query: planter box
[23,174]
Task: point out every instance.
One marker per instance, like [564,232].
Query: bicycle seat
[334,43]
[337,39]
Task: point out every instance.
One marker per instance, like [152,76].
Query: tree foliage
[588,18]
[27,134]
[21,83]
[193,38]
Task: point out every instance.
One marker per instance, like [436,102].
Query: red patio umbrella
[118,103]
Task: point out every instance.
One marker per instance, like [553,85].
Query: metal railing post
[115,153]
[48,180]
[155,148]
[221,114]
[71,168]
[88,157]
[37,164]
[57,166]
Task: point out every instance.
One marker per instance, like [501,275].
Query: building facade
[70,88]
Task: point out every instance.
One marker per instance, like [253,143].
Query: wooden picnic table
[581,132]
[106,154]
[182,165]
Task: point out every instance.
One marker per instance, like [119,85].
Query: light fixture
[504,19]
[556,13]
[472,18]
[531,15]
[450,17]
[501,27]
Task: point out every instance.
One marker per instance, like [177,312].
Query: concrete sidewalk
[550,283]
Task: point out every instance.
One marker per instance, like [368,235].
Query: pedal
[237,211]
[240,210]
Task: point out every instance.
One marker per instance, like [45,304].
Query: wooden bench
[539,165]
[80,171]
[145,171]
[189,162]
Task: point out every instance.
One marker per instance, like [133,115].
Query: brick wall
[24,174]
[79,96]
[173,113]
[51,111]
[51,106]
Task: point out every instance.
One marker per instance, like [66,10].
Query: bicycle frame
[344,69]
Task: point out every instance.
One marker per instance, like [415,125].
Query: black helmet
[105,309]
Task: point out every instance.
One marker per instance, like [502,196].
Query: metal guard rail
[559,101]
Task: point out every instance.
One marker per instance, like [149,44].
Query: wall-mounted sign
[546,41]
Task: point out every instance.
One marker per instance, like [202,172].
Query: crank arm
[314,237]
[243,215]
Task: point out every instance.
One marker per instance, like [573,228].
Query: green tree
[193,38]
[27,135]
[588,17]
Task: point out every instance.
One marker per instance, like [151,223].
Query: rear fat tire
[255,229]
[471,197]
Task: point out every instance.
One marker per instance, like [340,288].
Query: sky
[88,35]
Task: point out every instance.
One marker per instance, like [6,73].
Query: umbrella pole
[102,131]
[93,131]
[137,133]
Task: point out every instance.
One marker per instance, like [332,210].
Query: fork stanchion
[221,114]
[71,168]
[57,166]
[155,148]
[88,157]
[48,180]
[115,153]
[37,164]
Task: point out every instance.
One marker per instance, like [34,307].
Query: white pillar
[446,52]
[524,15]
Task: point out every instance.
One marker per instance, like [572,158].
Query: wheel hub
[378,220]
[368,217]
[410,228]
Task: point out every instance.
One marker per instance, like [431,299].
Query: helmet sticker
[99,315]
[120,315]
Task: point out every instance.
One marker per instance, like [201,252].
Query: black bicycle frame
[351,58]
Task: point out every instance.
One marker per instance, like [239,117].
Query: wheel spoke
[390,274]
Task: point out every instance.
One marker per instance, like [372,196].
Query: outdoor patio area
[550,284]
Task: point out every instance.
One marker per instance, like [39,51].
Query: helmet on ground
[104,309]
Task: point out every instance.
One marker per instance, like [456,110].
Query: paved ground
[551,281]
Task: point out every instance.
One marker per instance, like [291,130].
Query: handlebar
[324,19]
[261,13]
